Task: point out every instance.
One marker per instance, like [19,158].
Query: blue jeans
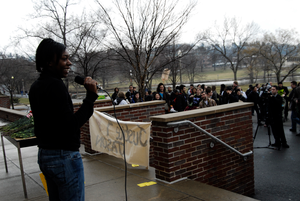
[64,174]
[295,119]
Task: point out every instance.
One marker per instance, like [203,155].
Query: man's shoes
[285,145]
[276,146]
[292,130]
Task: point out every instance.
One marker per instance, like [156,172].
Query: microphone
[80,80]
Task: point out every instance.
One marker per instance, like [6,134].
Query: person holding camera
[229,96]
[275,111]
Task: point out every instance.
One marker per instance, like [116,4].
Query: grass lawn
[24,101]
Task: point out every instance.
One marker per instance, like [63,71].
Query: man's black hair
[181,87]
[228,88]
[223,86]
[208,90]
[48,51]
[294,83]
[203,86]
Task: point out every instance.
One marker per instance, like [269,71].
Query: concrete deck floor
[277,173]
[277,176]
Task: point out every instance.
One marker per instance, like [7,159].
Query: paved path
[277,173]
[277,176]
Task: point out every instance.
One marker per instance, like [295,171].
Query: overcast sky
[268,14]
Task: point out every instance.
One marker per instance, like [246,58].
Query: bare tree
[79,33]
[213,57]
[281,50]
[173,57]
[142,30]
[189,64]
[229,40]
[202,57]
[16,74]
[252,62]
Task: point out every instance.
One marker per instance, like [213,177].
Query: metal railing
[178,123]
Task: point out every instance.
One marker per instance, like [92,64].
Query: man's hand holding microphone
[89,84]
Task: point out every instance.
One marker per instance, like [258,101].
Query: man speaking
[56,126]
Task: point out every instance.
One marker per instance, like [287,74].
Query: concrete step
[182,190]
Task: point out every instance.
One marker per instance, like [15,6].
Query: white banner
[107,137]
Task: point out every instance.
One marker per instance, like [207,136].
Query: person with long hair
[221,94]
[56,126]
[115,94]
[161,90]
[137,98]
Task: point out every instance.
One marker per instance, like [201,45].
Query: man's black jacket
[56,126]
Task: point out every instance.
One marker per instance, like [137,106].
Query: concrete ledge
[200,112]
[97,101]
[16,112]
[133,105]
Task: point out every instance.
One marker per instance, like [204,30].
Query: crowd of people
[271,103]
[182,99]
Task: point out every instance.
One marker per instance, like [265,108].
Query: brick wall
[98,103]
[4,101]
[11,115]
[187,153]
[137,112]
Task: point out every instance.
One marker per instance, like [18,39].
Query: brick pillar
[187,153]
[4,101]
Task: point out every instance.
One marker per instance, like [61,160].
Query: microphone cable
[80,80]
[123,140]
